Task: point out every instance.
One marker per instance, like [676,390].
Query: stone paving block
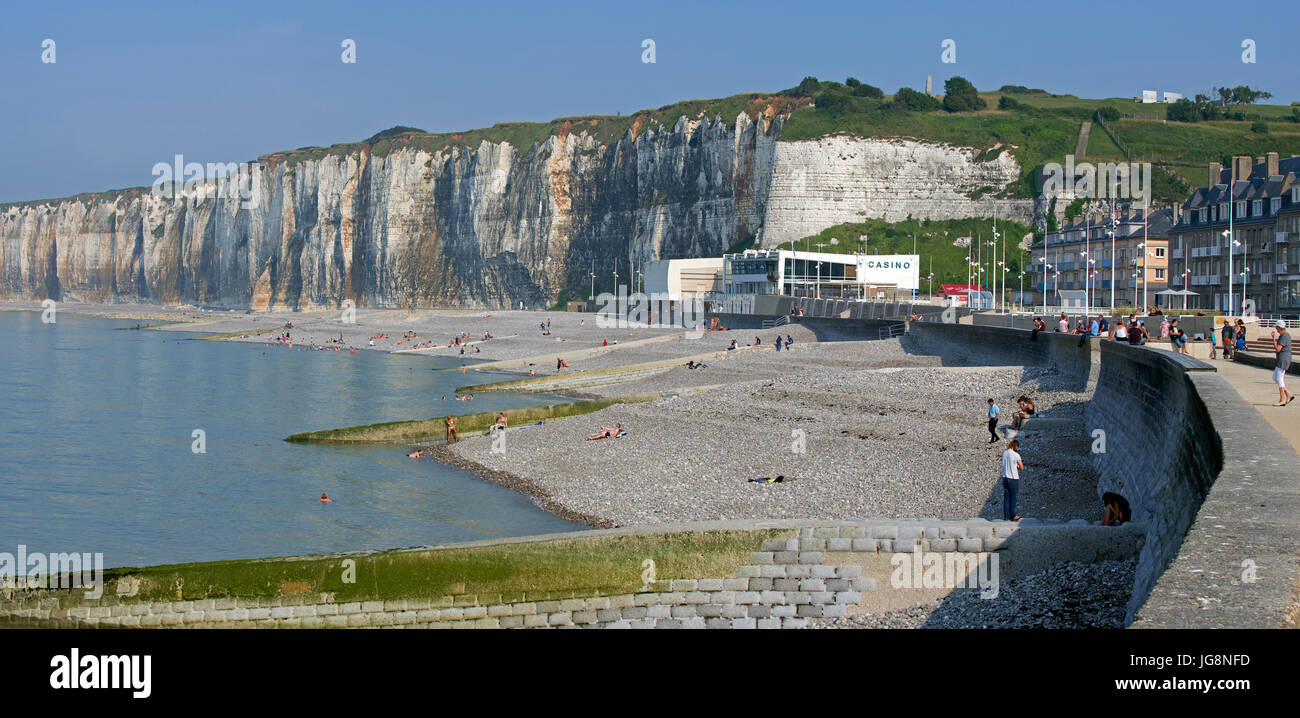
[684,584]
[708,584]
[659,611]
[744,623]
[584,617]
[884,546]
[823,597]
[377,619]
[644,623]
[623,601]
[708,610]
[761,584]
[774,571]
[943,545]
[619,625]
[784,610]
[735,584]
[512,621]
[794,623]
[772,597]
[864,584]
[838,584]
[826,533]
[548,606]
[696,598]
[848,598]
[812,584]
[785,557]
[901,546]
[810,557]
[979,532]
[668,623]
[609,614]
[853,532]
[951,532]
[350,607]
[863,544]
[802,571]
[785,584]
[835,611]
[769,623]
[809,611]
[645,599]
[884,532]
[763,558]
[358,620]
[500,610]
[472,613]
[717,623]
[839,544]
[748,597]
[816,544]
[797,597]
[694,623]
[683,611]
[401,618]
[735,611]
[634,613]
[372,606]
[760,611]
[805,533]
[597,603]
[748,572]
[970,545]
[573,604]
[535,620]
[997,543]
[848,570]
[722,598]
[774,544]
[259,614]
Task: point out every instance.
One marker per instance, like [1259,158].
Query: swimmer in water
[325,499]
[416,454]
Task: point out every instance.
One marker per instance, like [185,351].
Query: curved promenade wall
[969,344]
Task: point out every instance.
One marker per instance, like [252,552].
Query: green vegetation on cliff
[933,240]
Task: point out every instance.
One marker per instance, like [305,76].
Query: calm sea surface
[96,430]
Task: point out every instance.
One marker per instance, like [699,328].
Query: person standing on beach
[1227,335]
[1282,345]
[993,421]
[1063,326]
[452,435]
[1011,466]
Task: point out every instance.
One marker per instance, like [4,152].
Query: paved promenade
[1256,387]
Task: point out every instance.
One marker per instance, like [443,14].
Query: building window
[1160,273]
[1241,209]
[1274,205]
[1160,251]
[1257,208]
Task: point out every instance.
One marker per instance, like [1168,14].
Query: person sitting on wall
[1025,411]
[1117,510]
[1039,326]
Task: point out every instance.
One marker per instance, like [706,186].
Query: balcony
[1178,253]
[1282,237]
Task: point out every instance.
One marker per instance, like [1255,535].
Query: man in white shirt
[1011,466]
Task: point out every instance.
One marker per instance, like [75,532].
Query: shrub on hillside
[1107,113]
[908,99]
[961,96]
[809,85]
[1008,103]
[861,90]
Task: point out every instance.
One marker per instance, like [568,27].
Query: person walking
[1282,345]
[1228,337]
[993,421]
[1011,466]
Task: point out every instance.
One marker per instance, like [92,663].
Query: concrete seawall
[1155,444]
[973,345]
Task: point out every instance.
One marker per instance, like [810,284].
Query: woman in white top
[1121,332]
[1011,466]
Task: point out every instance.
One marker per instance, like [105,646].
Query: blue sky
[136,83]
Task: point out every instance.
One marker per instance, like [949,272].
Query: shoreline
[519,484]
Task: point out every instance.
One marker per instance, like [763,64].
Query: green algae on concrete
[466,424]
[566,566]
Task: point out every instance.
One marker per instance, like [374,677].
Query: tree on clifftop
[961,96]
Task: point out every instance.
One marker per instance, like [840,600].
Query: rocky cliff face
[484,228]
